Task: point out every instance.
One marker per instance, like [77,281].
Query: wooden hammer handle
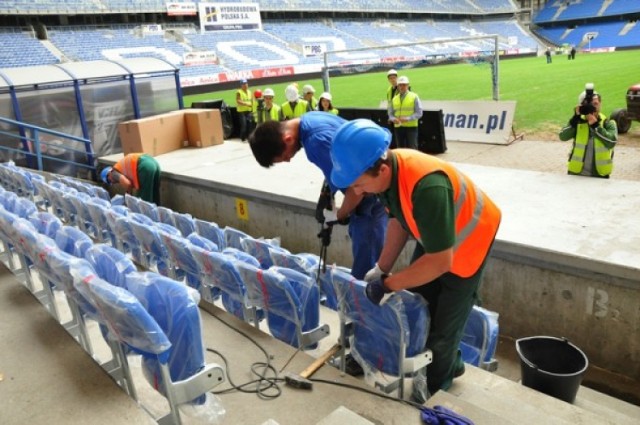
[317,364]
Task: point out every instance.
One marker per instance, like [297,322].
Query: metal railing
[38,144]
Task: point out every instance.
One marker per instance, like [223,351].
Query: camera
[586,106]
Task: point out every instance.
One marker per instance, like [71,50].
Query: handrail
[31,140]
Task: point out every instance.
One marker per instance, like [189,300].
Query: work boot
[459,371]
[352,367]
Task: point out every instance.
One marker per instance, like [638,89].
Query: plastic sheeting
[480,337]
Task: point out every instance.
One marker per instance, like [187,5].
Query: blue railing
[40,146]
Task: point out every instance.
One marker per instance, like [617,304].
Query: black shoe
[459,371]
[352,367]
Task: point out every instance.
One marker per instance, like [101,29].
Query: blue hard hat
[104,174]
[356,147]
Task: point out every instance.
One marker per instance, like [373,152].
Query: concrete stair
[491,399]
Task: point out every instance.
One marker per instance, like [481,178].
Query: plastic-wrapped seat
[389,338]
[46,223]
[166,216]
[324,276]
[233,237]
[261,250]
[110,264]
[96,208]
[127,240]
[133,203]
[24,207]
[181,257]
[184,223]
[480,339]
[149,209]
[291,301]
[154,252]
[220,271]
[157,318]
[73,241]
[210,231]
[84,220]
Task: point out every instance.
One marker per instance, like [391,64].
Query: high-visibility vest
[404,108]
[391,92]
[476,216]
[299,109]
[272,114]
[602,154]
[245,97]
[128,167]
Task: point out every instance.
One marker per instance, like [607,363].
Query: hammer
[301,381]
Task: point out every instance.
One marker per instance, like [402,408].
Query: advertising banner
[229,16]
[186,8]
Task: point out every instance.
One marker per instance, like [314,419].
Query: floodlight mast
[494,69]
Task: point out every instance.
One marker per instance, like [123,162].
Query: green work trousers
[149,179]
[450,299]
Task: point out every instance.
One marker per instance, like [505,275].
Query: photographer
[266,110]
[594,137]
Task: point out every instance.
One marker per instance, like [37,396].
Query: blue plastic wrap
[290,299]
[480,336]
[182,257]
[378,330]
[233,237]
[304,263]
[172,307]
[241,255]
[184,223]
[326,284]
[73,241]
[24,207]
[210,231]
[148,236]
[110,264]
[46,223]
[166,216]
[202,242]
[261,250]
[149,209]
[125,235]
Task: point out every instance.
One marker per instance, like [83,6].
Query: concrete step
[515,403]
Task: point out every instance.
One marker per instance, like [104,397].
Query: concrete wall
[594,305]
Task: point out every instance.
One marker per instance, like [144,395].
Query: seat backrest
[149,209]
[148,235]
[233,237]
[261,250]
[24,207]
[291,300]
[480,336]
[202,242]
[325,278]
[46,223]
[173,308]
[184,223]
[379,332]
[241,255]
[73,241]
[182,257]
[210,231]
[303,263]
[110,264]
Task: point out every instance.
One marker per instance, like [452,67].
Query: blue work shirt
[316,136]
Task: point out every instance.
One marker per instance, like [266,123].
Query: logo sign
[200,58]
[229,16]
[476,121]
[186,8]
[313,49]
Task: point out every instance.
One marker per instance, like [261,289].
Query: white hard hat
[326,95]
[308,89]
[588,86]
[392,72]
[268,92]
[291,93]
[403,80]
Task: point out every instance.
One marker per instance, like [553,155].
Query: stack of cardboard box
[171,131]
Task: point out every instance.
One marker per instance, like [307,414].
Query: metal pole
[496,68]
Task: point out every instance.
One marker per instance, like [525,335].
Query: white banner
[206,57]
[313,49]
[186,8]
[152,29]
[229,16]
[476,121]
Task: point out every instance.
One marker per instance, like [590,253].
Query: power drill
[325,202]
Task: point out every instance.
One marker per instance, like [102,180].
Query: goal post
[473,49]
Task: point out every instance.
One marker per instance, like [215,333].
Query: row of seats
[141,313]
[160,6]
[563,10]
[259,279]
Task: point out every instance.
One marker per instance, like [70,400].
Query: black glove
[596,124]
[377,292]
[325,235]
[575,120]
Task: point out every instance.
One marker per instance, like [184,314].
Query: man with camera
[266,110]
[594,137]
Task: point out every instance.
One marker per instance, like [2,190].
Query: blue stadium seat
[480,339]
[110,264]
[73,241]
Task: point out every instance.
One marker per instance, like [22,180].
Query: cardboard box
[154,135]
[204,127]
[172,131]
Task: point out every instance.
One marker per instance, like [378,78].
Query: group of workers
[394,196]
[391,197]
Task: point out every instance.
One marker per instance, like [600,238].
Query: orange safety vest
[128,167]
[477,217]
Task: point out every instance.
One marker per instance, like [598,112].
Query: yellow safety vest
[404,108]
[603,155]
[245,97]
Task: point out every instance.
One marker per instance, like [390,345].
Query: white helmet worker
[392,72]
[291,93]
[403,80]
[268,92]
[588,86]
[326,95]
[308,89]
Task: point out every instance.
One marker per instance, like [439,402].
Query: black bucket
[553,366]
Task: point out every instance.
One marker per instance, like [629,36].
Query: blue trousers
[367,229]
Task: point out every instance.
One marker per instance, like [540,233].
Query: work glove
[440,415]
[377,292]
[330,217]
[374,274]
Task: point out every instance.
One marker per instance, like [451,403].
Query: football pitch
[545,93]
